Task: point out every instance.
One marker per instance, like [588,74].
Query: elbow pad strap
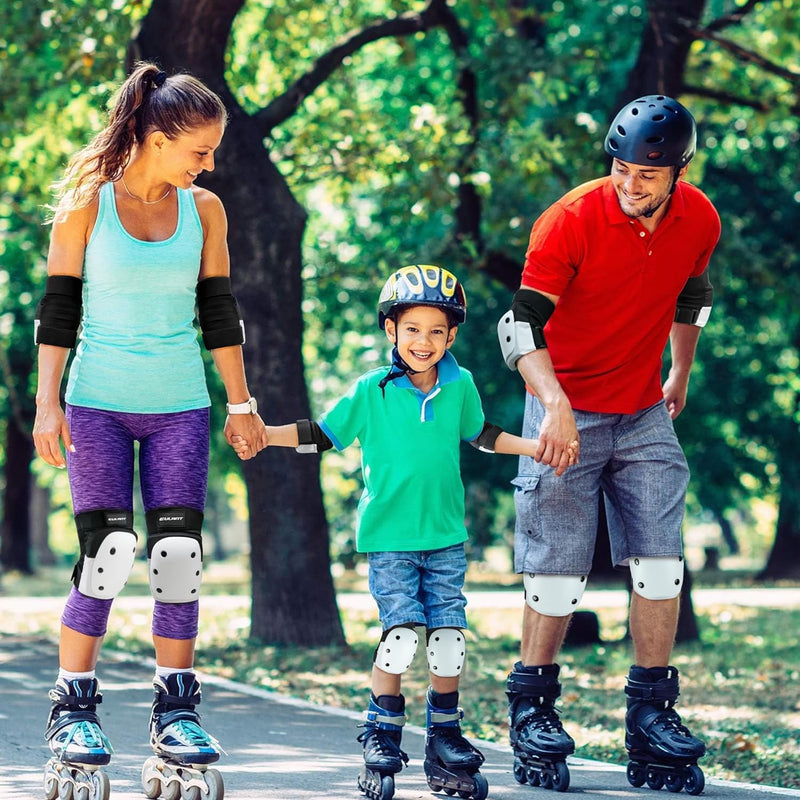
[694,302]
[311,438]
[218,313]
[485,440]
[58,314]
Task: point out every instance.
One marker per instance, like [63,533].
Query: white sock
[165,672]
[75,676]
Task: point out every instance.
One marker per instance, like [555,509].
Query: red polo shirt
[618,285]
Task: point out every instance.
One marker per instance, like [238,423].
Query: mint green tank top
[138,350]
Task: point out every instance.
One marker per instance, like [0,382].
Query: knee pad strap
[396,650]
[446,651]
[657,578]
[108,548]
[553,595]
[175,553]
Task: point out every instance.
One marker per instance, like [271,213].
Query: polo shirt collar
[448,372]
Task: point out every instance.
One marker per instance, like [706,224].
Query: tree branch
[284,106]
[734,18]
[744,54]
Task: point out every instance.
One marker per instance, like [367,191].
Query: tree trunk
[784,558]
[15,531]
[293,598]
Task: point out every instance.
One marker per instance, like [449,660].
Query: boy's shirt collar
[447,372]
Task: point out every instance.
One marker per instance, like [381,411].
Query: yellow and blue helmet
[422,285]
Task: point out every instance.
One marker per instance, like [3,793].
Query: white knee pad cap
[176,569]
[103,576]
[657,578]
[446,652]
[553,595]
[396,651]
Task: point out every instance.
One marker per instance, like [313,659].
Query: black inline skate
[661,749]
[538,739]
[383,758]
[79,746]
[451,762]
[183,750]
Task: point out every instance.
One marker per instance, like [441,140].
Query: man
[614,269]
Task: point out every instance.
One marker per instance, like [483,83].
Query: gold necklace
[146,202]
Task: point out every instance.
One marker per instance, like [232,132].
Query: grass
[739,684]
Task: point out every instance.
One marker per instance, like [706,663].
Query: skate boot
[451,762]
[383,758]
[538,739]
[79,746]
[661,748]
[183,750]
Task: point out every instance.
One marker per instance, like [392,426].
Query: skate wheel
[387,788]
[637,774]
[101,786]
[65,789]
[519,772]
[533,775]
[546,780]
[82,791]
[655,780]
[216,788]
[450,792]
[481,791]
[171,790]
[190,793]
[695,780]
[561,777]
[50,786]
[673,782]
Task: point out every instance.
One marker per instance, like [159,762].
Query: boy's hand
[246,434]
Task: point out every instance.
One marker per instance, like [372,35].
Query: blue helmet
[653,130]
[422,285]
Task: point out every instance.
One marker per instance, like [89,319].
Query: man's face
[641,189]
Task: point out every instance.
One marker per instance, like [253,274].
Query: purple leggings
[173,471]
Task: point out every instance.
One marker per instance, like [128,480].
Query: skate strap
[545,687]
[376,718]
[660,692]
[75,700]
[72,718]
[180,701]
[440,717]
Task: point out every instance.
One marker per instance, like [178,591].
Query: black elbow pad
[485,440]
[694,302]
[311,438]
[58,314]
[218,313]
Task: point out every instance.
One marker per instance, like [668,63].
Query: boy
[410,423]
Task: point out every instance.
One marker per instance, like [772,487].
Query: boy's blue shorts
[420,587]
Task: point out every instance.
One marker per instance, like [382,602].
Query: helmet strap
[397,370]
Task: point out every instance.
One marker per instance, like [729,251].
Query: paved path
[278,748]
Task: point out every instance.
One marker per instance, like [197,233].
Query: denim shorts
[637,462]
[420,587]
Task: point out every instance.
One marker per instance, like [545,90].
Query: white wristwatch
[250,407]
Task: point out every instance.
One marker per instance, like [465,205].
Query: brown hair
[147,101]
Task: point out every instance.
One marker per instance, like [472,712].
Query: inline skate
[538,739]
[661,749]
[383,758]
[451,762]
[183,750]
[79,746]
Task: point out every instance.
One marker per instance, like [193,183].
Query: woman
[135,244]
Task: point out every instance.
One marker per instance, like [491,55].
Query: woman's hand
[50,428]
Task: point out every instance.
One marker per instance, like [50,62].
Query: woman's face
[190,154]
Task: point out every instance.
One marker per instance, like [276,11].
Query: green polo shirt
[413,496]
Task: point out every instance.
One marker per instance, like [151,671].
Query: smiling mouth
[421,356]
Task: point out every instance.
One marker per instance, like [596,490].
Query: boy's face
[422,336]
